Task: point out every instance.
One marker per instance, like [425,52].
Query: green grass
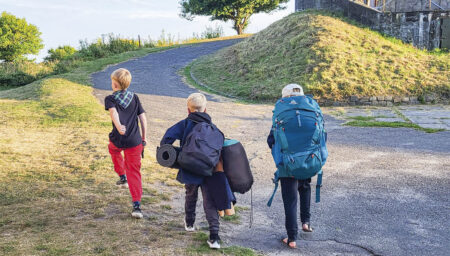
[330,56]
[236,218]
[362,118]
[369,123]
[202,248]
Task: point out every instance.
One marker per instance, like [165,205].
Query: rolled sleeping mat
[166,155]
[236,166]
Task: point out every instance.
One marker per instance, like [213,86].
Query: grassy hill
[330,56]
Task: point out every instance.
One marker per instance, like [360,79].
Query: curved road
[386,191]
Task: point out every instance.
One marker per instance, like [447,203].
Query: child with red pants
[125,110]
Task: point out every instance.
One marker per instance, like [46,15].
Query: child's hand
[122,129]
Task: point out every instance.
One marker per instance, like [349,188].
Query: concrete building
[423,23]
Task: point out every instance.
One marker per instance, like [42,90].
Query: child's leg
[290,198]
[117,159]
[133,167]
[304,189]
[212,216]
[190,203]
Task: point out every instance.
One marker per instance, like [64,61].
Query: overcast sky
[66,22]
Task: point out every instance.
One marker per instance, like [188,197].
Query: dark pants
[208,205]
[289,189]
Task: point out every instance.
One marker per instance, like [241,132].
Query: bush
[110,44]
[211,32]
[23,72]
[60,53]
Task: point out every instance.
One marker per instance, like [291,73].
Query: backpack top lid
[296,102]
[208,134]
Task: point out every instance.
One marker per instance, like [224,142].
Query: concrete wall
[391,5]
[420,28]
[415,5]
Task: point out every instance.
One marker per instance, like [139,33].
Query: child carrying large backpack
[201,144]
[298,143]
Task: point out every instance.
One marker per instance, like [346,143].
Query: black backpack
[201,149]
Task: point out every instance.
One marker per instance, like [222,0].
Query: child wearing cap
[291,186]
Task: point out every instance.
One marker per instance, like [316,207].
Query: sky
[64,22]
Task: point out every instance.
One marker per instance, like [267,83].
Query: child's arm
[174,133]
[115,118]
[143,120]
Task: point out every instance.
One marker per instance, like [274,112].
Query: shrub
[110,44]
[23,72]
[211,32]
[62,52]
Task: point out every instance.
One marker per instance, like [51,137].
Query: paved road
[386,191]
[156,73]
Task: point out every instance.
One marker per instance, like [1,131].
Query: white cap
[292,90]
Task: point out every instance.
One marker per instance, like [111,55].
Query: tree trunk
[240,30]
[239,27]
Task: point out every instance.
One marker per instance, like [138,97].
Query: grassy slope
[331,57]
[57,193]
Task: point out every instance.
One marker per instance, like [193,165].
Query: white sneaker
[213,244]
[137,213]
[190,228]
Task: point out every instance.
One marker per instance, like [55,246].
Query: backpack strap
[275,180]
[318,186]
[281,137]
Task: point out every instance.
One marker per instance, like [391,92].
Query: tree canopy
[239,11]
[18,38]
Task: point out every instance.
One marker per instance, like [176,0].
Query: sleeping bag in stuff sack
[236,166]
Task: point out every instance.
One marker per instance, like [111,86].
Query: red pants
[131,165]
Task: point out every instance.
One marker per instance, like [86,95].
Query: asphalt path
[386,191]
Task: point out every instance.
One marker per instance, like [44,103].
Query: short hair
[292,90]
[196,102]
[122,76]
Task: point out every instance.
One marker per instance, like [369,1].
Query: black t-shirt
[128,117]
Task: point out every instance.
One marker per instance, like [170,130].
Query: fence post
[139,40]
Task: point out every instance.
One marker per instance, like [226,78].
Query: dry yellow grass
[57,189]
[57,192]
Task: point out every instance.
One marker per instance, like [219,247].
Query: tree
[18,38]
[60,53]
[239,11]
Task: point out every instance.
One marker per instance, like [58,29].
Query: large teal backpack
[300,140]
